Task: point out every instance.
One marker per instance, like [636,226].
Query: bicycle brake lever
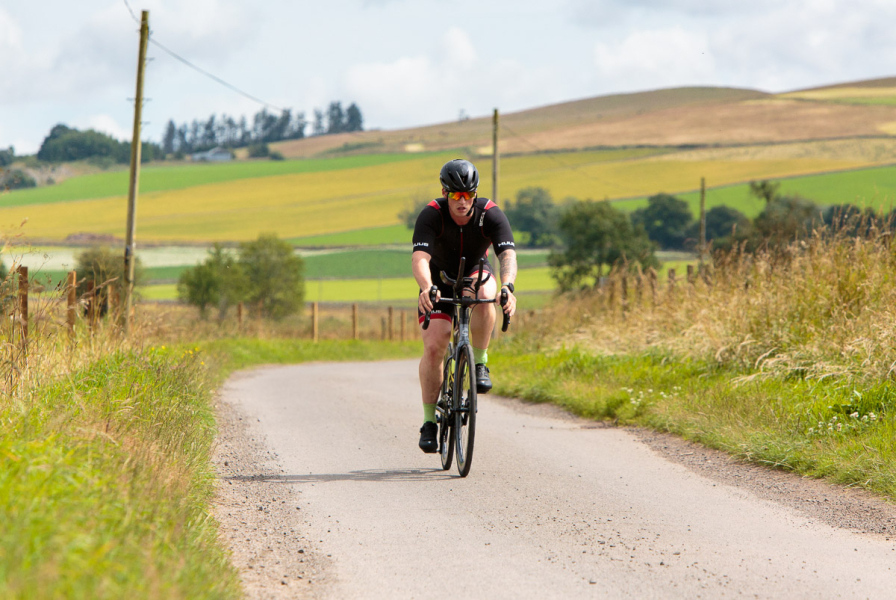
[504,299]
[432,298]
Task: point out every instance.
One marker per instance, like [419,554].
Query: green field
[874,187]
[158,178]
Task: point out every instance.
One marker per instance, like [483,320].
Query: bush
[219,281]
[16,179]
[105,266]
[276,155]
[267,273]
[275,276]
[259,151]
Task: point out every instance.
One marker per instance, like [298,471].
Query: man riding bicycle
[458,224]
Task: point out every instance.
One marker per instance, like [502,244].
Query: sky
[411,62]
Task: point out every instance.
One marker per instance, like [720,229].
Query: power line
[201,70]
[549,154]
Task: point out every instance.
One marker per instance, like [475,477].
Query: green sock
[480,355]
[429,413]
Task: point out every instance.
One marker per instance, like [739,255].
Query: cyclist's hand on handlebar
[424,302]
[510,306]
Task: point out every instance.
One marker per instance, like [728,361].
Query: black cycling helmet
[459,175]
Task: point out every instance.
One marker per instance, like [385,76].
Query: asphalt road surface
[554,507]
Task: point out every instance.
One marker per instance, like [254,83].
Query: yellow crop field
[305,204]
[846,92]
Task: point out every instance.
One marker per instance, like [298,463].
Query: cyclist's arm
[508,275]
[420,268]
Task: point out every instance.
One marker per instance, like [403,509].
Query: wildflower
[839,426]
[854,415]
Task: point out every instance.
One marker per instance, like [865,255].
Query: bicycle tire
[464,409]
[446,440]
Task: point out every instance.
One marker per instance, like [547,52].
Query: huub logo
[505,244]
[425,244]
[482,219]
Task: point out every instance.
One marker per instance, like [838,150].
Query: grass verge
[815,428]
[105,477]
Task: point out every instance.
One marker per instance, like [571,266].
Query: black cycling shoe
[428,434]
[483,381]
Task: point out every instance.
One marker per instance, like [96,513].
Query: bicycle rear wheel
[464,410]
[446,440]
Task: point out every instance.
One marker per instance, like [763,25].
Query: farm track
[555,506]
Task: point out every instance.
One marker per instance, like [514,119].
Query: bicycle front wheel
[464,409]
[446,440]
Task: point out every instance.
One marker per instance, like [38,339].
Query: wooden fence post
[315,334]
[383,323]
[671,281]
[691,274]
[355,332]
[72,301]
[391,324]
[239,316]
[23,306]
[404,325]
[91,304]
[651,280]
[624,292]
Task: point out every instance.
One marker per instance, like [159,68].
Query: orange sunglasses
[461,195]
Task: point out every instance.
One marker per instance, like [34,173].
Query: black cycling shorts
[445,310]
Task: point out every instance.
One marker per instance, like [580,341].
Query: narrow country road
[554,507]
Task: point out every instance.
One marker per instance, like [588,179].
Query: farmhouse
[216,154]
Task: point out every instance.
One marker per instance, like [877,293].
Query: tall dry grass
[821,307]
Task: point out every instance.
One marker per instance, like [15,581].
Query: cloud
[105,124]
[656,58]
[436,87]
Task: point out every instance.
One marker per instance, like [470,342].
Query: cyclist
[458,224]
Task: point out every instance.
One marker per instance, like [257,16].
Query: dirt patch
[261,524]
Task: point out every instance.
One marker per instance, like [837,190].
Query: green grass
[874,187]
[159,177]
[788,424]
[105,479]
[105,485]
[375,236]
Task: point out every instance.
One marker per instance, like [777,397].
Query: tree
[318,127]
[665,219]
[218,281]
[409,215]
[66,144]
[274,275]
[596,235]
[353,119]
[7,157]
[785,219]
[534,214]
[765,189]
[170,138]
[335,118]
[259,151]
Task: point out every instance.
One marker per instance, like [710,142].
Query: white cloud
[656,58]
[105,124]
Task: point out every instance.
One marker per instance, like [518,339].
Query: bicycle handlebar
[459,299]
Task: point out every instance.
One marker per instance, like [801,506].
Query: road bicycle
[456,406]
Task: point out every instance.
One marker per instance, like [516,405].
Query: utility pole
[135,176]
[702,219]
[495,197]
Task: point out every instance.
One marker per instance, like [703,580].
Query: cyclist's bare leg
[435,341]
[483,321]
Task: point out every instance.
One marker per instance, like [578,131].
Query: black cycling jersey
[445,241]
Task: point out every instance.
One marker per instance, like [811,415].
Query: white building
[217,154]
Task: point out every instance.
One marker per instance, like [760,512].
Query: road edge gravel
[260,517]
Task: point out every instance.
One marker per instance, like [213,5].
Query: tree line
[265,127]
[588,238]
